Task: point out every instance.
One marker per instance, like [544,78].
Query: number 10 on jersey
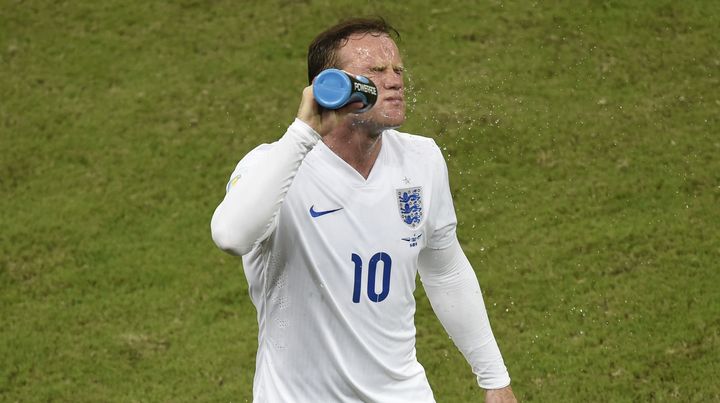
[372,273]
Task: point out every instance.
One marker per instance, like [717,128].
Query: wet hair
[322,53]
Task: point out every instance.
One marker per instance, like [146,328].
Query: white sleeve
[247,215]
[454,293]
[441,220]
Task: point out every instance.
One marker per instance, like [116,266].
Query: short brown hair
[322,53]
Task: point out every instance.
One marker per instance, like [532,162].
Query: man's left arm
[454,293]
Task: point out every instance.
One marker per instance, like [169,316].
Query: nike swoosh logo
[314,213]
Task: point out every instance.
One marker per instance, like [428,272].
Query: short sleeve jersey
[333,283]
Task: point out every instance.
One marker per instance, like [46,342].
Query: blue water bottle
[334,89]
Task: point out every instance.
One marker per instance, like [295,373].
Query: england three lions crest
[410,205]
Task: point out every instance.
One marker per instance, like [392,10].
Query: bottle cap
[332,88]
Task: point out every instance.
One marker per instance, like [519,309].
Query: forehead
[369,49]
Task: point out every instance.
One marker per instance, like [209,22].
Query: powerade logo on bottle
[334,88]
[357,86]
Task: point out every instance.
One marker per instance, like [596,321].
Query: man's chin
[393,120]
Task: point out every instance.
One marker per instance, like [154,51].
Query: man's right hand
[320,119]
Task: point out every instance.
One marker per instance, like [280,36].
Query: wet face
[378,58]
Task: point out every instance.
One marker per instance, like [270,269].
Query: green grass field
[582,138]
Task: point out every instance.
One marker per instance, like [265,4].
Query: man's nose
[393,81]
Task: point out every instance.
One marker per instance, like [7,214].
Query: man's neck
[357,147]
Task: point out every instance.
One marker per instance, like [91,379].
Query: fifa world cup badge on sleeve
[410,205]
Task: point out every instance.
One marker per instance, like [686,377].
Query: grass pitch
[582,141]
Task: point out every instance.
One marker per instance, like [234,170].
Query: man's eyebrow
[379,67]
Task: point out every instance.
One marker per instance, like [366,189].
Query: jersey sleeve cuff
[497,383]
[306,133]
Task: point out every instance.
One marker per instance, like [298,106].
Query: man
[333,221]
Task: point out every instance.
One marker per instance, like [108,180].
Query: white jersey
[333,283]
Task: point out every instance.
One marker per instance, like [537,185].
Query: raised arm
[247,214]
[257,189]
